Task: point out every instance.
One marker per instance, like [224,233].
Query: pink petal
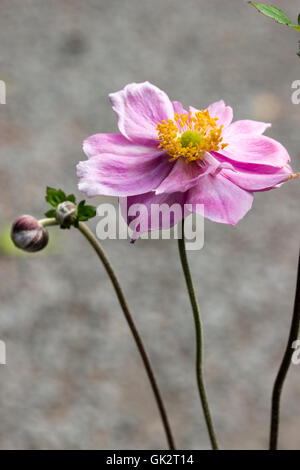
[252,181]
[178,108]
[258,150]
[182,177]
[150,202]
[221,111]
[112,175]
[223,201]
[113,144]
[245,128]
[214,164]
[139,107]
[218,110]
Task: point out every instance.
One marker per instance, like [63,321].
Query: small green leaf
[273,12]
[71,198]
[55,196]
[276,14]
[50,213]
[80,206]
[85,212]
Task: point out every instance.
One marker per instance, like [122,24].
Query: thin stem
[284,367]
[98,249]
[48,222]
[198,331]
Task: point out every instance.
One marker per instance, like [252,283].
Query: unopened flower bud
[28,234]
[66,213]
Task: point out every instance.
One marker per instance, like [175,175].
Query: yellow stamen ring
[190,136]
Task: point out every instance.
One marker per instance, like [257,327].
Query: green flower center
[190,137]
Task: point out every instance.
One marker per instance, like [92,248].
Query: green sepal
[71,198]
[56,196]
[50,213]
[84,212]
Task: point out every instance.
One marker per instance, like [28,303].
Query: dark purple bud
[66,213]
[28,234]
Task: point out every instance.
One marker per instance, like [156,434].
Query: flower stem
[284,367]
[198,331]
[98,249]
[48,222]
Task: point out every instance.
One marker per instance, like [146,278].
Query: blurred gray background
[74,379]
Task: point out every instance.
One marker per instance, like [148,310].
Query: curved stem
[98,249]
[284,367]
[198,331]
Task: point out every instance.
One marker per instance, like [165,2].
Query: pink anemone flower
[165,155]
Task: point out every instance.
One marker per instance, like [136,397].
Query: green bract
[54,197]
